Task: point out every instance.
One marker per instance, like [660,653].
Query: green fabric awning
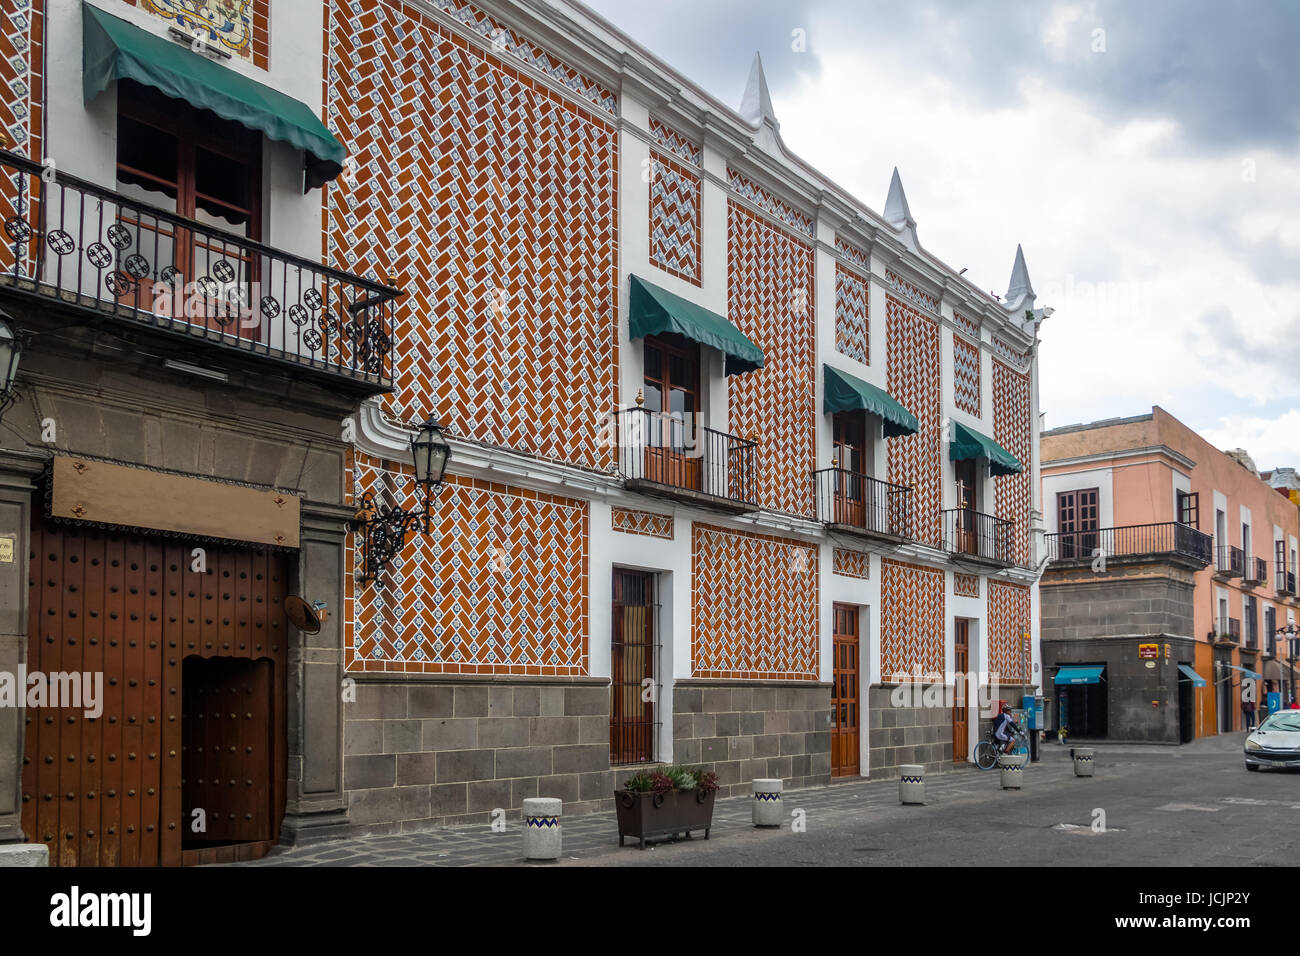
[968,443]
[845,393]
[113,49]
[655,310]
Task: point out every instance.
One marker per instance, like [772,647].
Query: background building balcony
[664,455]
[1228,629]
[850,502]
[1230,562]
[78,249]
[1171,539]
[1256,572]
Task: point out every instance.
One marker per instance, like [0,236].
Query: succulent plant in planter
[664,802]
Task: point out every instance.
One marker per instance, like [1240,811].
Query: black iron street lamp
[12,342]
[383,527]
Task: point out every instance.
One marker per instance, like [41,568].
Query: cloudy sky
[1147,155]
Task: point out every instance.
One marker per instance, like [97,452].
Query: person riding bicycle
[1004,727]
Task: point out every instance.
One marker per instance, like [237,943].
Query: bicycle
[989,749]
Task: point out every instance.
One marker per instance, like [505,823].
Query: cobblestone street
[1170,806]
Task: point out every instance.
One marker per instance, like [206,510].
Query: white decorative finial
[756,104]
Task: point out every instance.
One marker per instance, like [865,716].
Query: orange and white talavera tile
[770,299]
[1012,429]
[911,621]
[1009,622]
[491,199]
[851,564]
[649,523]
[914,370]
[966,585]
[852,329]
[498,586]
[754,605]
[674,218]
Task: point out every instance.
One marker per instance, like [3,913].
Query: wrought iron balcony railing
[975,534]
[1230,561]
[1137,540]
[71,243]
[1256,572]
[853,502]
[662,453]
[1228,629]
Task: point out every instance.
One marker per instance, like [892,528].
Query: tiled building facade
[585,600]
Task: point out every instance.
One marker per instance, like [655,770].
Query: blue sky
[1146,154]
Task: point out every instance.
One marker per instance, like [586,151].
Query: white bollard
[1083,761]
[542,828]
[768,808]
[1013,772]
[911,784]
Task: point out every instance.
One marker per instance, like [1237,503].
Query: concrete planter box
[647,816]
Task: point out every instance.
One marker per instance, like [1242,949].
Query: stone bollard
[1013,772]
[768,809]
[1082,761]
[911,784]
[542,828]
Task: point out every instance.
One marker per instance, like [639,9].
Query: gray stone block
[471,701]
[583,758]
[551,731]
[24,855]
[523,762]
[457,765]
[528,701]
[580,701]
[714,749]
[495,732]
[363,737]
[688,700]
[414,769]
[488,795]
[402,736]
[561,786]
[447,799]
[368,771]
[726,725]
[455,734]
[430,700]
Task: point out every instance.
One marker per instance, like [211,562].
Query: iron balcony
[1230,562]
[853,503]
[983,538]
[667,456]
[78,248]
[1170,539]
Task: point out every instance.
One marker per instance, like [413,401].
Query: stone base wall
[906,735]
[418,755]
[742,731]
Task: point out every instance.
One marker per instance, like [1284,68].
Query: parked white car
[1276,742]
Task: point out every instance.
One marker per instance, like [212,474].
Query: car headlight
[1252,744]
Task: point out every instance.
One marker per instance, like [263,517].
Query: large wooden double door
[182,757]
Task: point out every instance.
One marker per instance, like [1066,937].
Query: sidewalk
[1219,744]
[595,834]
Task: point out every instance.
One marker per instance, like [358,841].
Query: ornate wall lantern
[12,343]
[383,527]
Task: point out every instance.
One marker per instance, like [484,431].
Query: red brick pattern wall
[498,586]
[754,607]
[966,375]
[852,330]
[967,325]
[770,299]
[674,218]
[912,293]
[674,142]
[641,522]
[1008,623]
[966,585]
[851,564]
[1012,429]
[22,112]
[490,198]
[911,620]
[914,369]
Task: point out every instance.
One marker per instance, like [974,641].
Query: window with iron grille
[634,669]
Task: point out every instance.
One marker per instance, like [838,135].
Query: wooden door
[673,455]
[845,704]
[960,711]
[632,728]
[106,789]
[849,435]
[966,537]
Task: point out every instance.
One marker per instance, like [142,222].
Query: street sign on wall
[1148,652]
